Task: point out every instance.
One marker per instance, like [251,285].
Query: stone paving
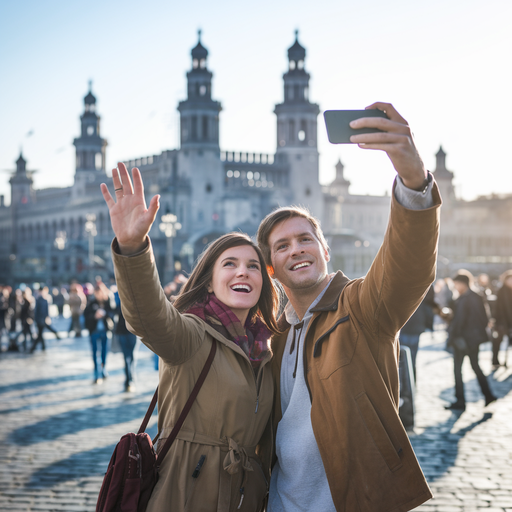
[59,429]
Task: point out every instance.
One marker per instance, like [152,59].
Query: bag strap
[186,409]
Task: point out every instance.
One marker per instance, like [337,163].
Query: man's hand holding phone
[392,134]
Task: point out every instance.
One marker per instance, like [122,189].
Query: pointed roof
[441,170]
[21,164]
[340,178]
[199,51]
[90,98]
[296,52]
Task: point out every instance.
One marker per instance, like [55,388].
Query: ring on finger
[118,189]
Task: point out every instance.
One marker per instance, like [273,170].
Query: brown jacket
[229,415]
[350,364]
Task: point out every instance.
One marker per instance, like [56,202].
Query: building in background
[55,235]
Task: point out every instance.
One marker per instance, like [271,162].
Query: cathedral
[55,235]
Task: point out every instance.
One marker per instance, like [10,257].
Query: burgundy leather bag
[133,469]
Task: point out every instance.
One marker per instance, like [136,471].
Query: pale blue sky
[444,64]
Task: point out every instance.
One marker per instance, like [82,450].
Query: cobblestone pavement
[59,429]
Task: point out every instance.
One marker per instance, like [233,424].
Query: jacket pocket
[255,488]
[335,348]
[378,433]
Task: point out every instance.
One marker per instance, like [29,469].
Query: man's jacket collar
[329,302]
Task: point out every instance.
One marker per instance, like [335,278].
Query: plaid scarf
[252,338]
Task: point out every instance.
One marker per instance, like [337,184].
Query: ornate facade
[54,235]
[49,235]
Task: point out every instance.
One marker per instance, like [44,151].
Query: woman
[215,463]
[98,321]
[128,342]
[77,303]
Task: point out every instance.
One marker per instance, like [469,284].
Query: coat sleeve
[403,269]
[148,313]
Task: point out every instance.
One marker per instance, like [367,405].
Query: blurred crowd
[89,309]
[472,310]
[94,310]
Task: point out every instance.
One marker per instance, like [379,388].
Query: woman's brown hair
[196,288]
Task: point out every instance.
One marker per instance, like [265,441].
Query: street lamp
[90,227]
[169,226]
[60,240]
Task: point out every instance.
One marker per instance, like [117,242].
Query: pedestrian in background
[59,299]
[77,302]
[42,317]
[27,313]
[421,320]
[15,300]
[467,330]
[503,316]
[128,343]
[99,322]
[4,312]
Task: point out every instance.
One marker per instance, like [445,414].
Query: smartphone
[337,124]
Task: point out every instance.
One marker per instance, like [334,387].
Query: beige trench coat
[229,416]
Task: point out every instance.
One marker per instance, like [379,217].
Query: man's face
[460,287]
[298,258]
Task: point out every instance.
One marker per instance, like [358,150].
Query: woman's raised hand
[131,220]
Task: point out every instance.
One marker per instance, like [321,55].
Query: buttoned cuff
[414,199]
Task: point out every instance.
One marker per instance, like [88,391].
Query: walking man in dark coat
[465,333]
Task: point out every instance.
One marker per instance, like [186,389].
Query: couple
[308,402]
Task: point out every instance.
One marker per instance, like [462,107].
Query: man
[42,318]
[421,320]
[503,317]
[340,444]
[465,333]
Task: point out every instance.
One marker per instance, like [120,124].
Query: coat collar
[329,302]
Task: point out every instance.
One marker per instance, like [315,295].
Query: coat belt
[236,457]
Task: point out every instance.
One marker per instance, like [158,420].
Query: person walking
[503,317]
[27,319]
[42,318]
[128,343]
[215,463]
[77,302]
[98,316]
[421,320]
[467,330]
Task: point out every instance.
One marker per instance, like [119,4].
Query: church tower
[22,191]
[199,156]
[90,147]
[444,179]
[340,185]
[199,113]
[297,132]
[22,194]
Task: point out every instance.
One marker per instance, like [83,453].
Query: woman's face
[236,280]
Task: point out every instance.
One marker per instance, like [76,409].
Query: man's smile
[302,264]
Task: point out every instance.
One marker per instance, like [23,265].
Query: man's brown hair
[281,214]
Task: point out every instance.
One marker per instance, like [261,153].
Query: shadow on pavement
[80,465]
[27,384]
[437,447]
[74,421]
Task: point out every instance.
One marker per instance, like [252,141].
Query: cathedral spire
[199,113]
[90,147]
